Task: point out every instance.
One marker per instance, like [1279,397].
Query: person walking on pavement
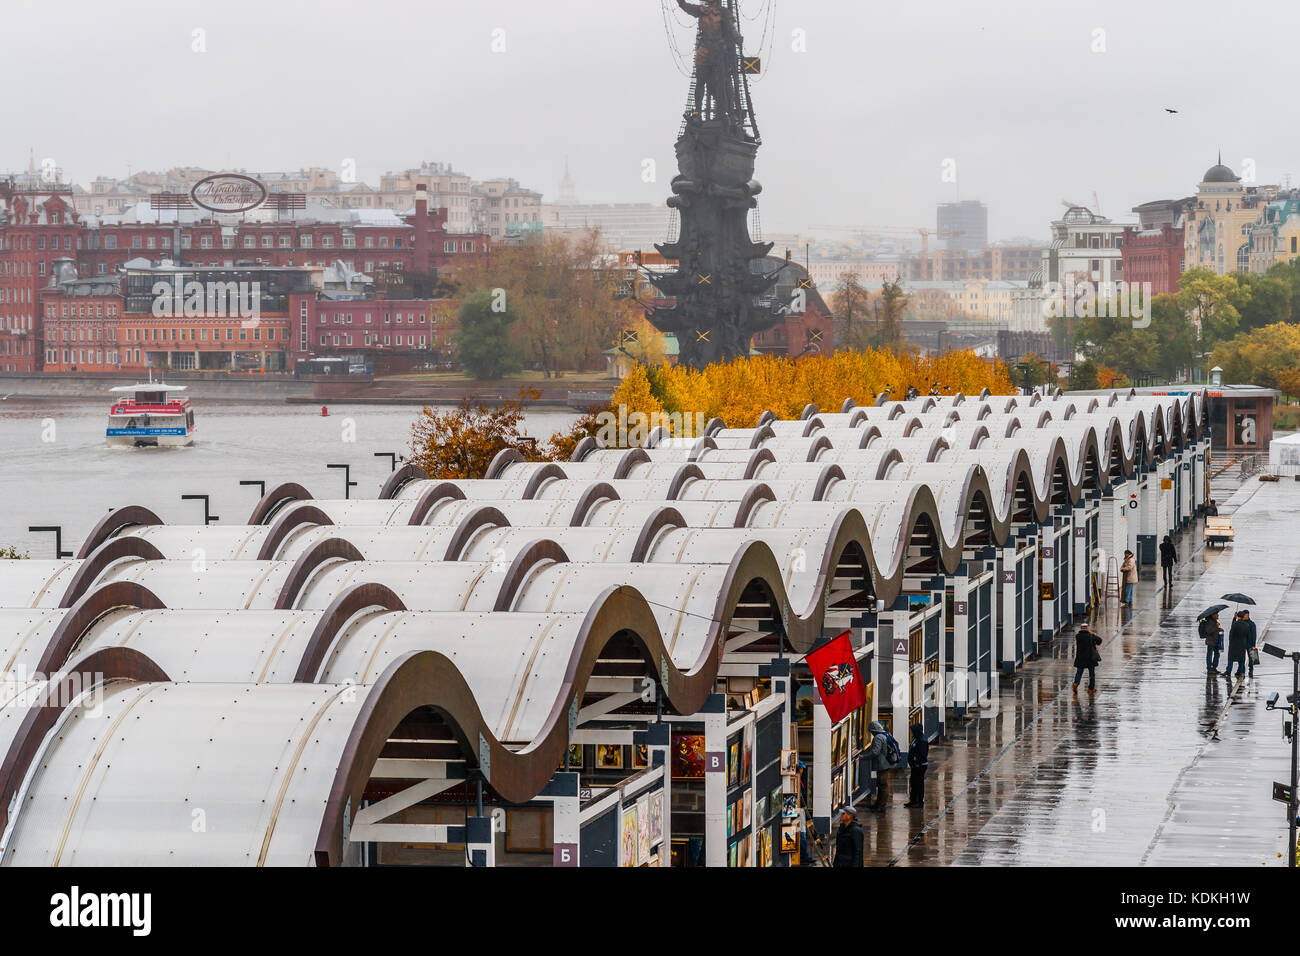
[1086,657]
[1128,572]
[1212,634]
[918,757]
[1212,509]
[1168,558]
[876,761]
[848,841]
[1240,637]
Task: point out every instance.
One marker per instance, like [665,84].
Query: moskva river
[55,468]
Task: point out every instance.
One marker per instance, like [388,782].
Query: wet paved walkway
[1163,766]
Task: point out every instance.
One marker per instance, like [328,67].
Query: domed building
[1217,231]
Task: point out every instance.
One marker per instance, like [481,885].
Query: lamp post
[1293,804]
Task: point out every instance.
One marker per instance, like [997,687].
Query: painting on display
[789,805]
[733,765]
[790,838]
[688,756]
[746,856]
[746,756]
[640,757]
[656,818]
[575,756]
[609,757]
[643,830]
[765,847]
[789,762]
[733,855]
[628,838]
[747,813]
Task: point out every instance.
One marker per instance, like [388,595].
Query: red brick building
[39,226]
[1153,255]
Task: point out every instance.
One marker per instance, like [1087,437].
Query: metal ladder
[1112,581]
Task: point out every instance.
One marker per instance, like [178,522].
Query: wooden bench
[1218,530]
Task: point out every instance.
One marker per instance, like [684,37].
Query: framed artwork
[746,756]
[747,813]
[656,818]
[838,791]
[733,855]
[760,808]
[765,847]
[628,838]
[733,764]
[774,801]
[688,757]
[731,820]
[746,857]
[789,762]
[575,756]
[640,757]
[789,805]
[609,757]
[840,744]
[643,831]
[790,838]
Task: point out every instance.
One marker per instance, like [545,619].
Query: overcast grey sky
[856,129]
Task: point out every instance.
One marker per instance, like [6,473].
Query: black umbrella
[1237,598]
[1211,611]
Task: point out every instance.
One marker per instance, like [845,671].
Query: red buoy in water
[324,411]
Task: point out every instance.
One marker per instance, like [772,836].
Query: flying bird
[1168,110]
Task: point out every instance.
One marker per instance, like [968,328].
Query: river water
[55,468]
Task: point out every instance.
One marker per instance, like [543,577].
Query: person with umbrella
[1212,634]
[1241,637]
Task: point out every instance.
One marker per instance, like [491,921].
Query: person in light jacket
[1128,573]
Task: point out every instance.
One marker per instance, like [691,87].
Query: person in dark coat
[1212,634]
[1086,657]
[875,761]
[1212,509]
[918,757]
[848,841]
[1241,636]
[1168,558]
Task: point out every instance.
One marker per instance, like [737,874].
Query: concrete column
[821,769]
[715,780]
[1080,561]
[563,793]
[1006,585]
[959,683]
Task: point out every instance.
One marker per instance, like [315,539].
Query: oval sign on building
[228,192]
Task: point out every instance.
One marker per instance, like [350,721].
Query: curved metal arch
[307,514]
[470,525]
[401,478]
[634,457]
[763,419]
[714,426]
[754,496]
[340,611]
[322,552]
[809,411]
[660,520]
[112,524]
[102,667]
[526,561]
[756,461]
[277,498]
[585,447]
[88,609]
[505,458]
[684,474]
[600,491]
[818,445]
[442,491]
[848,406]
[829,474]
[539,477]
[108,553]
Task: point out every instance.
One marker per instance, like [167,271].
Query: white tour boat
[150,416]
